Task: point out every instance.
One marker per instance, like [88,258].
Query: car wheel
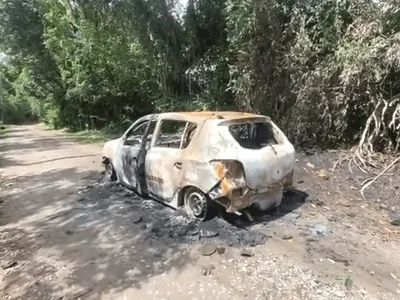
[196,203]
[110,172]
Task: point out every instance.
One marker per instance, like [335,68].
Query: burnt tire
[196,203]
[109,174]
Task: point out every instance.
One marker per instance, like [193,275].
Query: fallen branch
[379,175]
[98,118]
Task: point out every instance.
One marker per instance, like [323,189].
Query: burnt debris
[159,222]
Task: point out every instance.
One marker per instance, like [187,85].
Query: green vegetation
[326,71]
[96,136]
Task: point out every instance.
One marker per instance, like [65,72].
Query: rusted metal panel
[213,161]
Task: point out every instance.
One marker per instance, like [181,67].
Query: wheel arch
[106,159]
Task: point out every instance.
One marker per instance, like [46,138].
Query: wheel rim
[197,203]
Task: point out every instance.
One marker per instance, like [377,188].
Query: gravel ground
[66,235]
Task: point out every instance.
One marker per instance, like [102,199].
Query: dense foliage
[326,71]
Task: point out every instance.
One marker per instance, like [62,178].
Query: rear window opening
[253,135]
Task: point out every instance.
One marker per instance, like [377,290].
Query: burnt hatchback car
[192,158]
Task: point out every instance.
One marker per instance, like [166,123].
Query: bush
[52,117]
[16,112]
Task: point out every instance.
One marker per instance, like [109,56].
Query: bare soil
[65,234]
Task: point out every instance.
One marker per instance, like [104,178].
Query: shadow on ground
[7,135]
[104,237]
[34,143]
[60,242]
[89,242]
[23,146]
[292,200]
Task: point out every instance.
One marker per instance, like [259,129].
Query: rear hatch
[264,151]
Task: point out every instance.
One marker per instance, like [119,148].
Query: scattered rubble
[208,233]
[137,219]
[363,292]
[221,250]
[316,202]
[287,237]
[336,257]
[82,293]
[395,219]
[246,253]
[323,174]
[9,264]
[207,249]
[206,270]
[319,230]
[310,165]
[340,294]
[348,283]
[292,217]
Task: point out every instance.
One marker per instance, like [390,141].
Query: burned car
[192,159]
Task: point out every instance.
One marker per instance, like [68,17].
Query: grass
[88,136]
[93,136]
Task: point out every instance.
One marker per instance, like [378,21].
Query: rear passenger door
[165,160]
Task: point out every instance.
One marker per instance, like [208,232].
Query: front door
[129,151]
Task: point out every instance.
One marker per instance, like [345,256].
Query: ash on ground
[160,222]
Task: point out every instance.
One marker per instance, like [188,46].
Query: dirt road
[63,235]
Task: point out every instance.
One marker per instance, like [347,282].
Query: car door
[128,153]
[164,160]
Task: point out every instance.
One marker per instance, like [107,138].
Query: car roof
[198,116]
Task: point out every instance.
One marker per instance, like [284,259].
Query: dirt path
[65,236]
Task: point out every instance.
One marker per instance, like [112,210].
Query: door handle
[178,165]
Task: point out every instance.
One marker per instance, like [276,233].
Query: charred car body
[191,158]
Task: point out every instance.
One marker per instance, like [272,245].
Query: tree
[324,70]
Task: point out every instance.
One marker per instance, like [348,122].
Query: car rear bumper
[242,198]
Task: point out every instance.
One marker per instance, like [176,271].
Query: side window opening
[253,135]
[135,135]
[175,134]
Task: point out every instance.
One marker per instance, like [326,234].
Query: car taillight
[231,177]
[229,169]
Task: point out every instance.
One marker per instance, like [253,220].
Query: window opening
[135,135]
[253,135]
[175,134]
